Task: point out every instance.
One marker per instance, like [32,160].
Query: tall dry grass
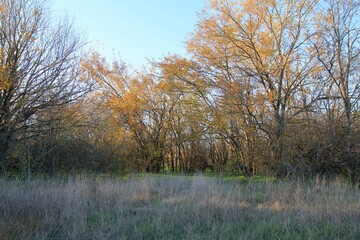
[178,208]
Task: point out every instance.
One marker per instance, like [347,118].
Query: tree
[139,106]
[338,51]
[38,70]
[189,116]
[262,48]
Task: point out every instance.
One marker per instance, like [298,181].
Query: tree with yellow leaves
[138,105]
[263,47]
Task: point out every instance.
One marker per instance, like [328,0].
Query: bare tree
[338,49]
[38,70]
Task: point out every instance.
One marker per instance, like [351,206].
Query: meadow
[178,207]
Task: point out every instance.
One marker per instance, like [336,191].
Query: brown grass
[178,208]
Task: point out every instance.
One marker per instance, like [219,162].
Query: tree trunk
[278,146]
[5,144]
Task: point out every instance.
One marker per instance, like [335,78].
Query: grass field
[161,207]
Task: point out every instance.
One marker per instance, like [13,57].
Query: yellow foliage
[5,82]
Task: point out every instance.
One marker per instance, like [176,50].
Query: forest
[267,88]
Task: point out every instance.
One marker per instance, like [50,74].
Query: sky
[133,30]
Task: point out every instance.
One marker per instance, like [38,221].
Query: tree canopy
[268,87]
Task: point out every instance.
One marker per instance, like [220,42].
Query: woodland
[268,87]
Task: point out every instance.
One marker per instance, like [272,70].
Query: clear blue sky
[133,29]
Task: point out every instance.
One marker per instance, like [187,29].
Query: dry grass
[178,208]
